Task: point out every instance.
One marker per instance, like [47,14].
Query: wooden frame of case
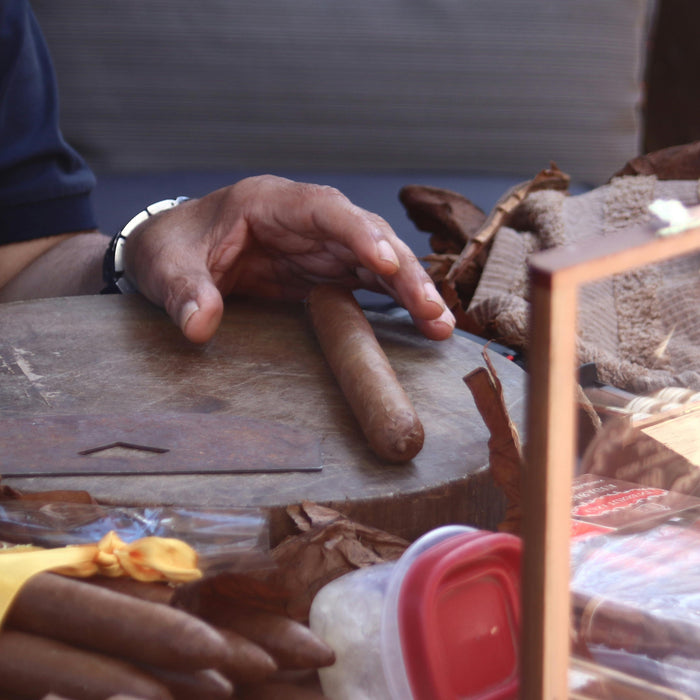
[556,276]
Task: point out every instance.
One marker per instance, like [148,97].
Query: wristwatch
[113,264]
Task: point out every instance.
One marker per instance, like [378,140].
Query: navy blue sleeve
[45,185]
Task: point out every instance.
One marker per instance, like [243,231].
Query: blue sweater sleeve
[45,185]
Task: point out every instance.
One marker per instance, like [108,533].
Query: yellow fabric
[147,559]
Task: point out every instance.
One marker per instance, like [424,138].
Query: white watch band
[113,269]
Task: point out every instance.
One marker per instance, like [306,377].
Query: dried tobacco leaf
[439,265]
[333,545]
[453,301]
[505,452]
[309,515]
[7,493]
[673,163]
[450,217]
[257,589]
[329,545]
[386,546]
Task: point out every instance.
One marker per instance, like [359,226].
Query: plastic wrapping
[226,539]
[635,560]
[589,681]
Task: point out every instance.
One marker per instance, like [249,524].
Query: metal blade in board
[145,443]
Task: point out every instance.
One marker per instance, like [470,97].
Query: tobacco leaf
[7,493]
[255,589]
[450,217]
[328,545]
[506,460]
[439,265]
[624,449]
[453,301]
[672,163]
[310,515]
[359,544]
[332,545]
[589,422]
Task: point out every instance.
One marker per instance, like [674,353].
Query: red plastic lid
[459,618]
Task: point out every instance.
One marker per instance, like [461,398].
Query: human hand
[271,237]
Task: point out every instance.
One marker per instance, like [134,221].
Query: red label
[581,530]
[615,501]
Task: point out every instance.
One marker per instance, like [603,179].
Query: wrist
[114,273]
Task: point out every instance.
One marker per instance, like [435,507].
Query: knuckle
[322,192]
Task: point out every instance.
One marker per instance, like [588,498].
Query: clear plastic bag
[590,681]
[634,584]
[226,539]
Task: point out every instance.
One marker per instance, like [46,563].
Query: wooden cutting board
[120,355]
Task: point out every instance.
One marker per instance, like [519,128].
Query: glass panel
[635,527]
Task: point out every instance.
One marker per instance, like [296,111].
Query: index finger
[413,288]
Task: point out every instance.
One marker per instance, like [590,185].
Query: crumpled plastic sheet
[226,539]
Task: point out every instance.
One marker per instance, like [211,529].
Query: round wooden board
[120,354]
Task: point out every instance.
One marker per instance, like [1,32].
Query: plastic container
[441,623]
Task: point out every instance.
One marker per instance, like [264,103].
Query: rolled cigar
[247,662]
[93,617]
[207,684]
[33,667]
[378,401]
[279,691]
[291,644]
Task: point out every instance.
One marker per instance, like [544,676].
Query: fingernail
[448,318]
[432,295]
[387,253]
[186,313]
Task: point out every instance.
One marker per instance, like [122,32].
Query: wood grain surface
[119,355]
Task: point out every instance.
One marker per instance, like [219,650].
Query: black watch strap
[113,272]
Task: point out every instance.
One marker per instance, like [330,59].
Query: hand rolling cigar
[377,399]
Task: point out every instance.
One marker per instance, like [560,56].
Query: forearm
[72,266]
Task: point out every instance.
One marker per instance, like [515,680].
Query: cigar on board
[382,408]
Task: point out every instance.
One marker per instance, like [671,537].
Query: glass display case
[610,516]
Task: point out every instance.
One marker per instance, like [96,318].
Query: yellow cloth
[147,559]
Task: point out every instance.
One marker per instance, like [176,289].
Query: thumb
[197,309]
